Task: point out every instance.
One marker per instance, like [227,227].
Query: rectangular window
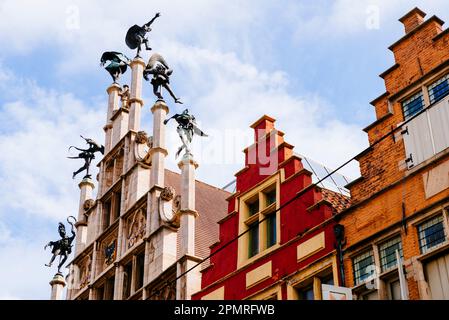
[117,200]
[270,197]
[306,293]
[253,239]
[109,289]
[271,230]
[328,280]
[439,89]
[253,207]
[363,266]
[413,105]
[127,276]
[394,290]
[107,214]
[387,252]
[139,270]
[100,293]
[431,233]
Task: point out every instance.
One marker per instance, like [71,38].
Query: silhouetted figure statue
[63,246]
[160,71]
[118,63]
[88,155]
[187,127]
[136,36]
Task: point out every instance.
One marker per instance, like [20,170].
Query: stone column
[57,287]
[113,105]
[135,101]
[157,154]
[159,151]
[86,187]
[188,212]
[189,283]
[160,247]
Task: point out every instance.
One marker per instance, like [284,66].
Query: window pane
[109,289]
[439,89]
[127,281]
[270,197]
[253,240]
[117,200]
[431,233]
[395,290]
[253,207]
[107,214]
[413,105]
[371,296]
[271,230]
[306,294]
[387,252]
[139,270]
[328,280]
[363,266]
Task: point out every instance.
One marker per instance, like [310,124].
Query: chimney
[413,19]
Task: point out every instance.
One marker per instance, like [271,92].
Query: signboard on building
[336,293]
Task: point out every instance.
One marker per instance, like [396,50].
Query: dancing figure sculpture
[117,65]
[136,35]
[187,127]
[158,67]
[88,155]
[63,246]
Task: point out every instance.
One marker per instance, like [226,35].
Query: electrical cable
[391,132]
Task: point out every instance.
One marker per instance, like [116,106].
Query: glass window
[109,289]
[306,293]
[395,290]
[127,280]
[139,270]
[387,251]
[253,239]
[107,214]
[413,105]
[439,89]
[271,230]
[100,293]
[270,197]
[328,280]
[253,207]
[117,198]
[431,233]
[372,295]
[363,266]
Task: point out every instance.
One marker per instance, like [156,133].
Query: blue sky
[313,65]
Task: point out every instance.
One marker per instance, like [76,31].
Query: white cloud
[345,18]
[35,175]
[228,95]
[22,271]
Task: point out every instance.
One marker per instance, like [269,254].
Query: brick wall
[377,198]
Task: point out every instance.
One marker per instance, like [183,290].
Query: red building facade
[287,247]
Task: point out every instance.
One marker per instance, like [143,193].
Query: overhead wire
[301,192]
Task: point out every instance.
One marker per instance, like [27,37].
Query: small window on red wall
[253,244]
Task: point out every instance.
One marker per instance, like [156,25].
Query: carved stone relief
[136,225]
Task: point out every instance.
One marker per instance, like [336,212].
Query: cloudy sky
[313,65]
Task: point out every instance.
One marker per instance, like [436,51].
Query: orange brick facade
[390,199]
